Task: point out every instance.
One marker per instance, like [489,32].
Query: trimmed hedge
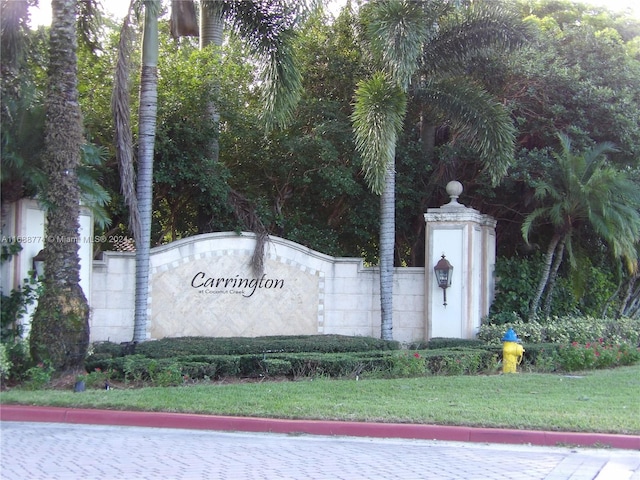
[173,361]
[442,342]
[452,361]
[173,347]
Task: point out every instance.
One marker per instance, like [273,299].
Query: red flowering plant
[405,364]
[597,354]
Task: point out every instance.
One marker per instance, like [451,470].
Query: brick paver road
[32,451]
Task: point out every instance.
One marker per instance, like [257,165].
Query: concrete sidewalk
[66,451]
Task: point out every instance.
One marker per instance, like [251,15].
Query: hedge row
[453,361]
[174,347]
[566,330]
[173,361]
[441,342]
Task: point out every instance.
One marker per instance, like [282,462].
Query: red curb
[22,413]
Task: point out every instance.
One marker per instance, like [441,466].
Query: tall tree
[60,325]
[434,40]
[268,27]
[146,138]
[583,190]
[378,116]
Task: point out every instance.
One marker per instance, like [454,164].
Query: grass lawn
[594,401]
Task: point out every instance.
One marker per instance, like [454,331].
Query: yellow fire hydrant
[512,352]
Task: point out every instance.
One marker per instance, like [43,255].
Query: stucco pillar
[467,239]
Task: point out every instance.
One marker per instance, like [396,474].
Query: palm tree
[378,116]
[60,325]
[257,21]
[146,138]
[583,190]
[268,28]
[426,43]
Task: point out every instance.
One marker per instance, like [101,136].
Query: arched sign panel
[214,292]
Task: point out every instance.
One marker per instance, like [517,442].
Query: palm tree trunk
[210,25]
[60,326]
[147,132]
[553,276]
[629,304]
[544,277]
[427,137]
[211,34]
[387,246]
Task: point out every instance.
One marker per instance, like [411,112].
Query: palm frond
[92,193]
[584,190]
[468,31]
[397,31]
[89,21]
[122,120]
[530,220]
[269,29]
[379,110]
[479,119]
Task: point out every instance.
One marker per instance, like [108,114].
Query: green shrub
[38,377]
[136,368]
[577,356]
[502,318]
[460,361]
[5,364]
[274,367]
[566,330]
[406,364]
[328,364]
[18,355]
[14,306]
[172,347]
[516,281]
[441,342]
[517,278]
[108,350]
[166,375]
[540,357]
[97,378]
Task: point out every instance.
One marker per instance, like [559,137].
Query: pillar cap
[454,189]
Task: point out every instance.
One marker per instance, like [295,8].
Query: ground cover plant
[562,346]
[593,401]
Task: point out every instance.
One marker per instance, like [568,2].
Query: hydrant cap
[510,336]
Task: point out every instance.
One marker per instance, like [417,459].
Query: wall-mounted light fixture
[38,265]
[444,272]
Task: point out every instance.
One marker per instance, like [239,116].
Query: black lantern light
[38,265]
[444,272]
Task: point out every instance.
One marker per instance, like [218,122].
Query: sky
[118,8]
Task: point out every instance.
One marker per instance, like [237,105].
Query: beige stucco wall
[302,291]
[24,222]
[319,293]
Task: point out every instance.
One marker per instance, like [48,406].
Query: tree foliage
[579,73]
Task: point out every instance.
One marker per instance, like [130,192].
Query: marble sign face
[220,296]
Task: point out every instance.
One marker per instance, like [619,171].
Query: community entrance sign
[204,285]
[216,293]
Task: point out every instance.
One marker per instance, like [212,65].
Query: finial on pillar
[454,189]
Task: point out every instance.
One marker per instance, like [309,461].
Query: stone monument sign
[216,293]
